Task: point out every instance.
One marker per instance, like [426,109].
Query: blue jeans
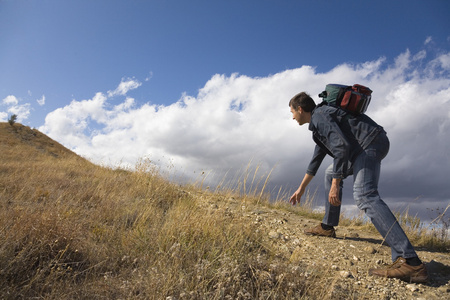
[366,173]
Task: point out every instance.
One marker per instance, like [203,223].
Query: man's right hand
[296,197]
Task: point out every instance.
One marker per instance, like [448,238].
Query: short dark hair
[304,101]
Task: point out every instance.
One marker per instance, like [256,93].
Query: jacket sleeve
[335,142]
[316,161]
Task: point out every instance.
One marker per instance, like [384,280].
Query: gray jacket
[341,135]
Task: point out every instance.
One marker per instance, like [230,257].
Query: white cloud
[235,119]
[3,116]
[71,122]
[10,100]
[150,75]
[22,111]
[124,87]
[444,61]
[13,108]
[41,101]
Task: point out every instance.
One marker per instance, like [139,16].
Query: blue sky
[169,79]
[72,49]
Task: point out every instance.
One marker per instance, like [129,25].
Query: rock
[258,212]
[444,289]
[274,235]
[370,250]
[351,235]
[345,274]
[412,287]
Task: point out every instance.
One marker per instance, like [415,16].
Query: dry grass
[70,229]
[73,230]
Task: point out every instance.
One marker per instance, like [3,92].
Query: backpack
[354,99]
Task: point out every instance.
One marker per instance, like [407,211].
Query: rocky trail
[345,259]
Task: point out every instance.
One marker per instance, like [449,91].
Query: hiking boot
[319,231]
[401,270]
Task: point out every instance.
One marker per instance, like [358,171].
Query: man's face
[297,115]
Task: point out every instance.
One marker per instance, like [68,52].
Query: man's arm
[296,197]
[316,160]
[330,134]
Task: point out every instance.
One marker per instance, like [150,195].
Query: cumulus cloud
[11,103]
[10,100]
[237,119]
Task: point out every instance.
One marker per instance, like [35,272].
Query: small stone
[352,235]
[274,235]
[444,289]
[345,274]
[370,250]
[412,287]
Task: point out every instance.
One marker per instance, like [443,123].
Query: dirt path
[346,258]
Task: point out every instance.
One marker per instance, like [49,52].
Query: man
[357,145]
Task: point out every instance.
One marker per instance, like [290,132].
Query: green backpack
[354,99]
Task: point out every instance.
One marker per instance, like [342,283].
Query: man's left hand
[333,197]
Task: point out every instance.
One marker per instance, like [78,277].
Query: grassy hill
[70,229]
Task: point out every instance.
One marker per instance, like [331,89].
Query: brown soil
[344,260]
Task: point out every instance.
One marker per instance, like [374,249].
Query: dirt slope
[346,259]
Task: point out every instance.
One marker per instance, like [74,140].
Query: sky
[201,88]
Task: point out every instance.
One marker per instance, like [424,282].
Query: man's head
[301,107]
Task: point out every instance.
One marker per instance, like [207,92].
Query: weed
[12,119]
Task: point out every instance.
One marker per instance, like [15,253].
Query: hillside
[74,230]
[31,141]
